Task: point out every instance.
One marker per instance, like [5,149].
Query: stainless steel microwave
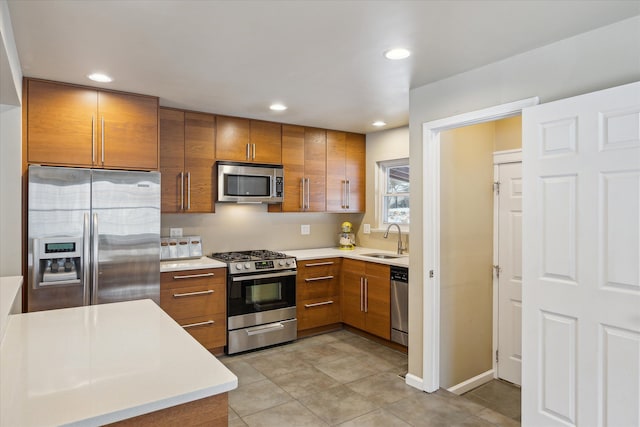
[250,182]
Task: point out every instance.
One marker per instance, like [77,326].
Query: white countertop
[10,300]
[100,364]
[357,253]
[190,264]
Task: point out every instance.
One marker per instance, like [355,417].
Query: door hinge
[430,274]
[497,269]
[496,187]
[497,356]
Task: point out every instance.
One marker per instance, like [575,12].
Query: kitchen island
[106,364]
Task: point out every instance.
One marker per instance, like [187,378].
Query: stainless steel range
[261,299]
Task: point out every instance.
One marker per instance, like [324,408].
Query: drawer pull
[317,264]
[190,294]
[193,325]
[192,276]
[318,304]
[271,327]
[313,279]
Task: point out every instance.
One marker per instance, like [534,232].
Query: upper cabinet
[345,172]
[304,159]
[79,126]
[187,158]
[245,140]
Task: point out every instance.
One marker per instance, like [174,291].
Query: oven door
[255,293]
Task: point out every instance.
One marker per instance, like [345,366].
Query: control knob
[281,262]
[247,265]
[289,262]
[238,266]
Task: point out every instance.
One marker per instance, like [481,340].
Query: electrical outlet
[367,229]
[305,229]
[175,232]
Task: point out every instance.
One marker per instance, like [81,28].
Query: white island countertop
[100,364]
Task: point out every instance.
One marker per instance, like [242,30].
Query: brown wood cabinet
[197,300]
[366,297]
[345,172]
[71,125]
[318,293]
[304,159]
[187,161]
[245,140]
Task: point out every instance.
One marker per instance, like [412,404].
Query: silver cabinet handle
[271,327]
[361,294]
[247,151]
[188,190]
[192,325]
[348,194]
[191,294]
[93,140]
[191,276]
[302,193]
[344,194]
[95,270]
[317,264]
[308,192]
[318,304]
[102,140]
[181,191]
[366,295]
[254,151]
[313,279]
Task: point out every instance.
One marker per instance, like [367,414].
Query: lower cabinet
[318,293]
[197,300]
[366,295]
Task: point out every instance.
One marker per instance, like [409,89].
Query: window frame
[382,171]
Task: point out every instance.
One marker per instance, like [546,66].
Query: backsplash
[242,227]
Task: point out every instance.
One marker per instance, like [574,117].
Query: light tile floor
[498,395]
[341,379]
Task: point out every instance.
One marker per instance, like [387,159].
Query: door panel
[232,138]
[315,163]
[293,160]
[581,251]
[172,159]
[510,277]
[336,152]
[199,159]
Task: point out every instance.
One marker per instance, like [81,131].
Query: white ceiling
[321,58]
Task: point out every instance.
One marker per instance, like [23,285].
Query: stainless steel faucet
[401,246]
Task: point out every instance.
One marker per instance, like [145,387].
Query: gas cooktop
[243,262]
[257,255]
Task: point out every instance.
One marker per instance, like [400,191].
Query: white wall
[605,57]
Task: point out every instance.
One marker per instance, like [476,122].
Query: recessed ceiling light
[397,53]
[379,123]
[278,107]
[99,77]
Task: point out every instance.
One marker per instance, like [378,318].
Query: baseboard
[413,381]
[472,383]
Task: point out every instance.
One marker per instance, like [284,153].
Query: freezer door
[125,221]
[58,232]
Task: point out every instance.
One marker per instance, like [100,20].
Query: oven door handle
[264,276]
[271,327]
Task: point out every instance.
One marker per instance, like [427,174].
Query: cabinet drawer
[318,312]
[186,302]
[210,331]
[319,267]
[190,278]
[318,287]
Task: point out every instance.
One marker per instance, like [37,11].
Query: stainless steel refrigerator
[94,237]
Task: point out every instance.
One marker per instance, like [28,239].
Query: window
[394,192]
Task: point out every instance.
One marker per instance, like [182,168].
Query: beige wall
[389,144]
[508,134]
[244,227]
[466,251]
[587,62]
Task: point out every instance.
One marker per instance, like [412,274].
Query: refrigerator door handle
[94,261]
[86,242]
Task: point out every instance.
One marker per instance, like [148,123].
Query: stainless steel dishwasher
[400,305]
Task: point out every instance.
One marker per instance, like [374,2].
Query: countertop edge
[356,254]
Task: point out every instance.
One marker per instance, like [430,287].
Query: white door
[581,260]
[509,275]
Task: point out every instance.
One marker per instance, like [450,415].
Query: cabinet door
[336,183]
[355,158]
[128,131]
[378,313]
[171,159]
[352,302]
[61,124]
[266,142]
[293,160]
[315,164]
[199,159]
[232,139]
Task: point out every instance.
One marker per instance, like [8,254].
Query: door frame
[431,226]
[499,158]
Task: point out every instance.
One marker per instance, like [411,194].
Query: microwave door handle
[264,276]
[86,276]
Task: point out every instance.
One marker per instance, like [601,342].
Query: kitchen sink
[384,256]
